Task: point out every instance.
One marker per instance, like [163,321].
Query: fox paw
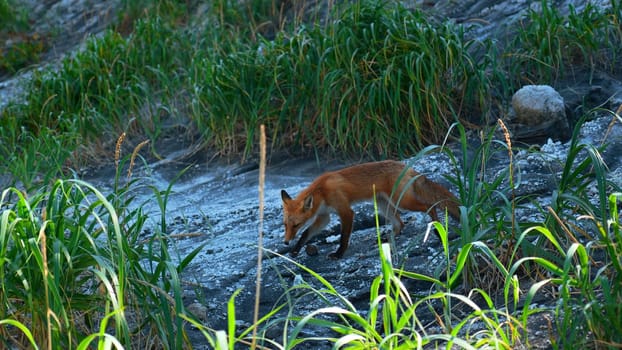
[335,255]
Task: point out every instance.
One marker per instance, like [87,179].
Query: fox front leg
[320,222]
[347,219]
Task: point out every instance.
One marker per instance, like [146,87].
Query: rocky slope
[219,202]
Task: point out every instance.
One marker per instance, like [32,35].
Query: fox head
[297,214]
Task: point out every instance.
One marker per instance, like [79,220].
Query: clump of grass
[549,45]
[100,85]
[579,244]
[75,269]
[376,79]
[25,50]
[19,47]
[584,173]
[32,160]
[13,17]
[588,310]
[487,208]
[114,84]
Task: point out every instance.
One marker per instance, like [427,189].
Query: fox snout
[288,237]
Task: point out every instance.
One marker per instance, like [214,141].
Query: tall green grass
[395,88]
[18,46]
[375,79]
[549,45]
[11,17]
[574,249]
[368,78]
[70,116]
[579,242]
[76,269]
[589,283]
[488,204]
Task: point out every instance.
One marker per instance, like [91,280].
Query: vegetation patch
[77,269]
[18,47]
[370,78]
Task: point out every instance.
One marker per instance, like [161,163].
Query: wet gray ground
[217,205]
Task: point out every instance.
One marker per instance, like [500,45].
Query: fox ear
[285,197]
[308,202]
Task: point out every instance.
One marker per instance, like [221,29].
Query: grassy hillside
[372,78]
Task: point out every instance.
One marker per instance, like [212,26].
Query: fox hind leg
[390,212]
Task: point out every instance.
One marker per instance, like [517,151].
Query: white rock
[538,104]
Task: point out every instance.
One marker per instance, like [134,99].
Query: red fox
[337,190]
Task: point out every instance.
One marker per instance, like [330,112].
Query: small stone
[199,310]
[311,250]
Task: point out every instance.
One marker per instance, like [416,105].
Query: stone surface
[539,113]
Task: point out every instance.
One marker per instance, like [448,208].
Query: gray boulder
[538,113]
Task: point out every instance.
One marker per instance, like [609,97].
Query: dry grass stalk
[508,141]
[262,180]
[133,157]
[117,150]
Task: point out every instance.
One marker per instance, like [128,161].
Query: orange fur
[337,190]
